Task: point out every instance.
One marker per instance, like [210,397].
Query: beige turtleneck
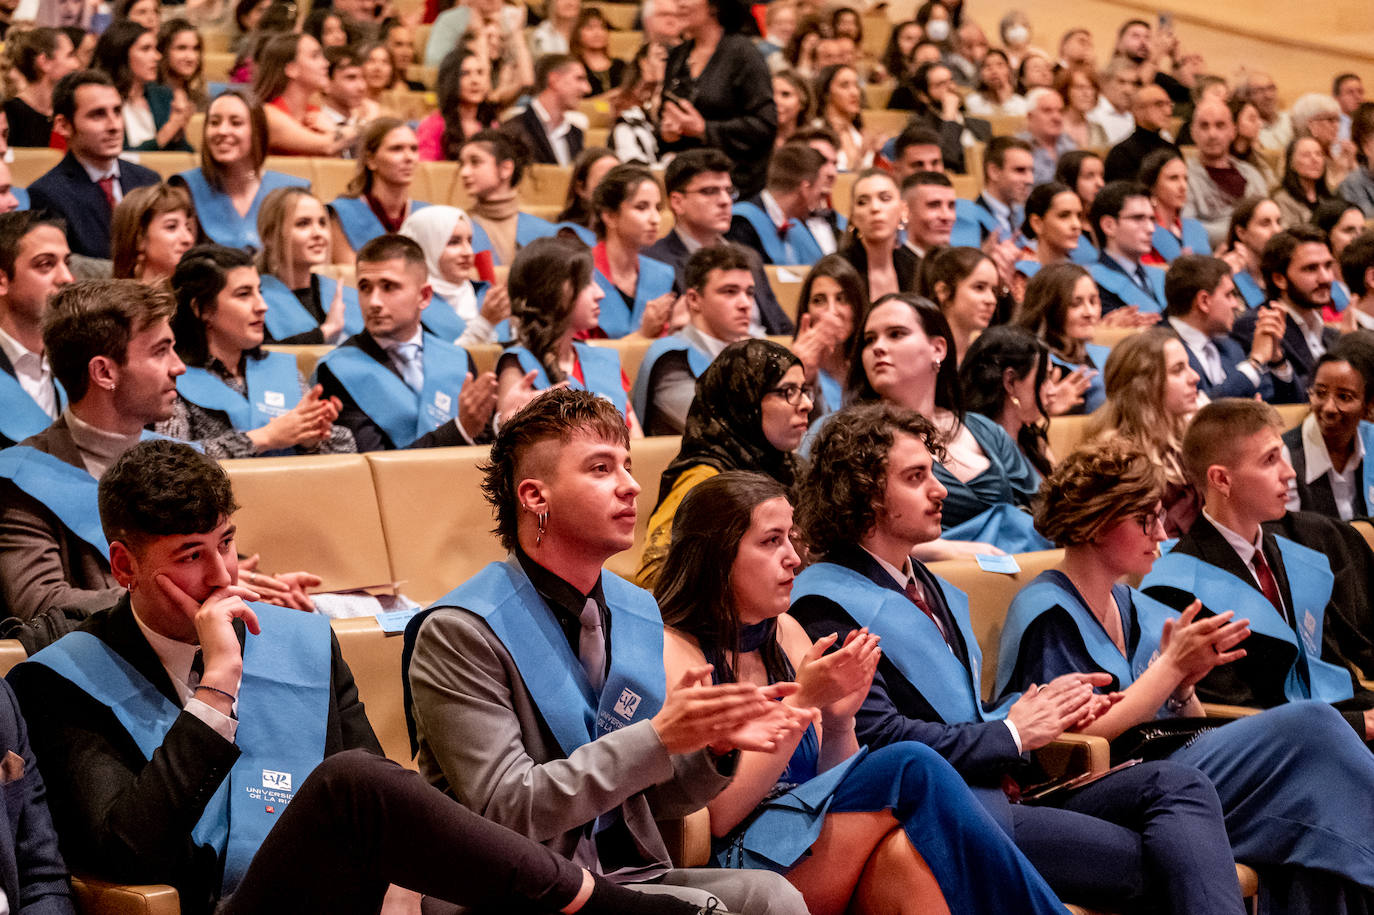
[99,448]
[498,216]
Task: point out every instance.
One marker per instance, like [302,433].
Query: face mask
[937,29]
[1017,34]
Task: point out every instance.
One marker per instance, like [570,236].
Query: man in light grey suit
[537,687]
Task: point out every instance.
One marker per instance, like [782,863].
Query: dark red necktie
[107,186]
[782,229]
[913,591]
[1267,583]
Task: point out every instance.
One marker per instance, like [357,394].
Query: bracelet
[230,696]
[1176,705]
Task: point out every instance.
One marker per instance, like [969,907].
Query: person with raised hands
[303,305]
[639,290]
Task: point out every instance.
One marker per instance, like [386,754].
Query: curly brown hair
[1094,488]
[840,496]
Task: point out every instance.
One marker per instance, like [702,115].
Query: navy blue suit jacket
[1236,384]
[981,751]
[31,869]
[68,192]
[1110,300]
[1294,348]
[670,250]
[527,126]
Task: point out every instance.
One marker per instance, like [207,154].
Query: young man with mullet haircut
[537,689]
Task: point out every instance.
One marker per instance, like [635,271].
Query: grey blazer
[482,739]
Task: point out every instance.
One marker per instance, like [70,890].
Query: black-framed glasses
[793,393]
[715,192]
[1150,520]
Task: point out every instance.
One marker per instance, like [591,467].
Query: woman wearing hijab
[463,309]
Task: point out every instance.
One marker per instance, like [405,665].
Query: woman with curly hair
[462,87]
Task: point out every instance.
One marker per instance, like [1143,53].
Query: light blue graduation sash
[1167,245]
[527,229]
[600,372]
[287,317]
[911,639]
[282,709]
[1309,581]
[21,196]
[1340,295]
[620,318]
[799,248]
[1004,526]
[217,216]
[832,390]
[1028,268]
[1125,289]
[971,221]
[697,362]
[1086,254]
[442,321]
[68,492]
[273,389]
[1366,432]
[584,234]
[501,594]
[360,225]
[1249,290]
[20,414]
[391,403]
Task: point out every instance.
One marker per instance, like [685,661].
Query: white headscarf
[431,227]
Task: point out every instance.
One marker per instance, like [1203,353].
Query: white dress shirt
[177,658]
[95,174]
[1117,124]
[1310,323]
[1208,356]
[32,371]
[558,136]
[1343,484]
[1245,549]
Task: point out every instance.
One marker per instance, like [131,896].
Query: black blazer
[123,817]
[369,435]
[1294,348]
[1317,495]
[68,192]
[527,126]
[671,251]
[1123,159]
[1236,383]
[31,869]
[904,260]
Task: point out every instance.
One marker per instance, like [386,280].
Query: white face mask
[937,29]
[1017,34]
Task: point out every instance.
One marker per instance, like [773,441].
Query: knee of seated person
[771,894]
[1179,781]
[911,760]
[347,770]
[1305,722]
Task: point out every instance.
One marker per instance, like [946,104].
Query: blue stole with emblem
[600,372]
[1168,246]
[1004,526]
[1309,581]
[501,594]
[1125,289]
[287,317]
[911,640]
[1365,430]
[1086,254]
[282,709]
[273,389]
[527,229]
[216,214]
[388,401]
[971,222]
[66,491]
[797,249]
[832,392]
[20,414]
[697,361]
[621,318]
[1340,295]
[440,319]
[360,225]
[1249,290]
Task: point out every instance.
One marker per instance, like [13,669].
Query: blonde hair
[274,227]
[133,215]
[1135,375]
[368,144]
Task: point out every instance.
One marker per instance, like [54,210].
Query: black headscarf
[725,422]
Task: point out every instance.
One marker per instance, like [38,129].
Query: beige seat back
[1066,433]
[11,653]
[649,457]
[374,657]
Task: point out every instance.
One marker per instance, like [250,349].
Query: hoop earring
[542,524]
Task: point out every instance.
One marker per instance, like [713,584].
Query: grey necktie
[406,356]
[591,645]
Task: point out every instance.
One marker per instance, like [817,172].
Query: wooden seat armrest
[101,897]
[1074,754]
[1217,710]
[688,839]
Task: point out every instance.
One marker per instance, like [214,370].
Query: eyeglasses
[1150,520]
[793,393]
[715,192]
[1342,398]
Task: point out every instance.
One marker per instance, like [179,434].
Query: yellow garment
[661,524]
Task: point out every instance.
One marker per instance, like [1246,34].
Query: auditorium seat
[165,162]
[786,283]
[100,897]
[31,163]
[444,184]
[374,657]
[306,355]
[598,136]
[1292,414]
[195,128]
[649,458]
[484,356]
[217,65]
[597,111]
[330,177]
[877,95]
[1065,434]
[621,16]
[631,350]
[1006,125]
[624,45]
[884,122]
[11,653]
[546,184]
[300,166]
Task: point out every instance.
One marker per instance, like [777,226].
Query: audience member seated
[152,228]
[639,95]
[1078,89]
[1298,272]
[1120,82]
[717,93]
[555,302]
[551,36]
[462,85]
[1246,145]
[839,104]
[1254,221]
[182,67]
[491,165]
[1152,393]
[1304,183]
[733,532]
[638,290]
[1045,132]
[1123,219]
[1164,173]
[590,38]
[588,169]
[1082,171]
[377,200]
[1343,222]
[971,46]
[1063,309]
[290,70]
[33,266]
[484,696]
[1151,111]
[501,35]
[344,103]
[1003,375]
[930,208]
[1328,448]
[795,100]
[916,149]
[84,187]
[380,77]
[398,386]
[865,529]
[906,358]
[1008,176]
[931,96]
[995,95]
[147,13]
[749,413]
[872,245]
[463,309]
[230,185]
[1053,224]
[1318,116]
[154,116]
[828,307]
[1202,305]
[963,283]
[1348,90]
[700,194]
[396,34]
[826,226]
[236,400]
[1358,186]
[42,56]
[1217,180]
[1102,506]
[1356,260]
[1035,72]
[774,223]
[545,127]
[35,874]
[303,307]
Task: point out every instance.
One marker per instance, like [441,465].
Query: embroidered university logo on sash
[627,703]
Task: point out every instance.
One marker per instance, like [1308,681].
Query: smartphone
[485,271]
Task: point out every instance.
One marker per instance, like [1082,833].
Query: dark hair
[393,247]
[1096,487]
[64,93]
[197,282]
[341,58]
[544,281]
[1357,258]
[257,143]
[1110,201]
[1293,184]
[166,34]
[314,23]
[810,25]
[693,585]
[24,48]
[549,64]
[619,184]
[112,52]
[1048,296]
[1241,216]
[15,227]
[892,58]
[505,148]
[791,164]
[980,376]
[161,488]
[1071,165]
[364,50]
[1362,129]
[813,132]
[926,179]
[824,80]
[241,11]
[1153,164]
[947,266]
[1279,250]
[1357,349]
[919,83]
[914,135]
[686,166]
[1189,275]
[725,256]
[852,285]
[1341,78]
[997,150]
[842,493]
[98,318]
[577,208]
[1040,200]
[994,52]
[559,414]
[933,324]
[1327,213]
[75,33]
[587,14]
[269,74]
[121,10]
[1217,428]
[448,88]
